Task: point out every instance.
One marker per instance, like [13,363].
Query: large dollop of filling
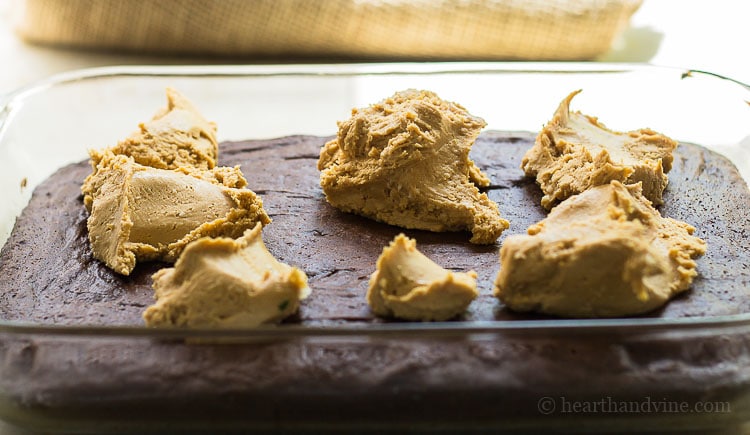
[575,152]
[603,253]
[153,193]
[410,286]
[405,161]
[228,283]
[140,213]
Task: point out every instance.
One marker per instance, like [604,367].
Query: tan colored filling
[410,286]
[167,205]
[603,253]
[405,161]
[575,152]
[220,282]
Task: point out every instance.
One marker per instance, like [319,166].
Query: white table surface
[710,35]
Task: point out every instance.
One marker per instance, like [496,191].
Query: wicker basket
[416,29]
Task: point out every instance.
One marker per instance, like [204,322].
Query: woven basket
[426,29]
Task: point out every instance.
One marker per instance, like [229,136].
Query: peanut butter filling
[575,152]
[405,161]
[410,286]
[226,282]
[178,136]
[140,213]
[603,253]
[159,189]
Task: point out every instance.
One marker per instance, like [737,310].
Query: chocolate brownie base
[513,379]
[50,276]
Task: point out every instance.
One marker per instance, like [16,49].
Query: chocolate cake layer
[502,380]
[50,276]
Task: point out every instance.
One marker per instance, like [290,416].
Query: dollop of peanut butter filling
[178,136]
[140,213]
[603,253]
[221,282]
[405,161]
[159,189]
[410,286]
[575,152]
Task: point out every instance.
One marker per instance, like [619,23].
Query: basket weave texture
[429,29]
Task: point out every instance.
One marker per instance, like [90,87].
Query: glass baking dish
[583,375]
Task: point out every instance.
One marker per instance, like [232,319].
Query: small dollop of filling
[221,282]
[410,286]
[575,152]
[405,161]
[603,253]
[139,213]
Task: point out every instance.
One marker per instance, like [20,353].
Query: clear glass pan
[458,375]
